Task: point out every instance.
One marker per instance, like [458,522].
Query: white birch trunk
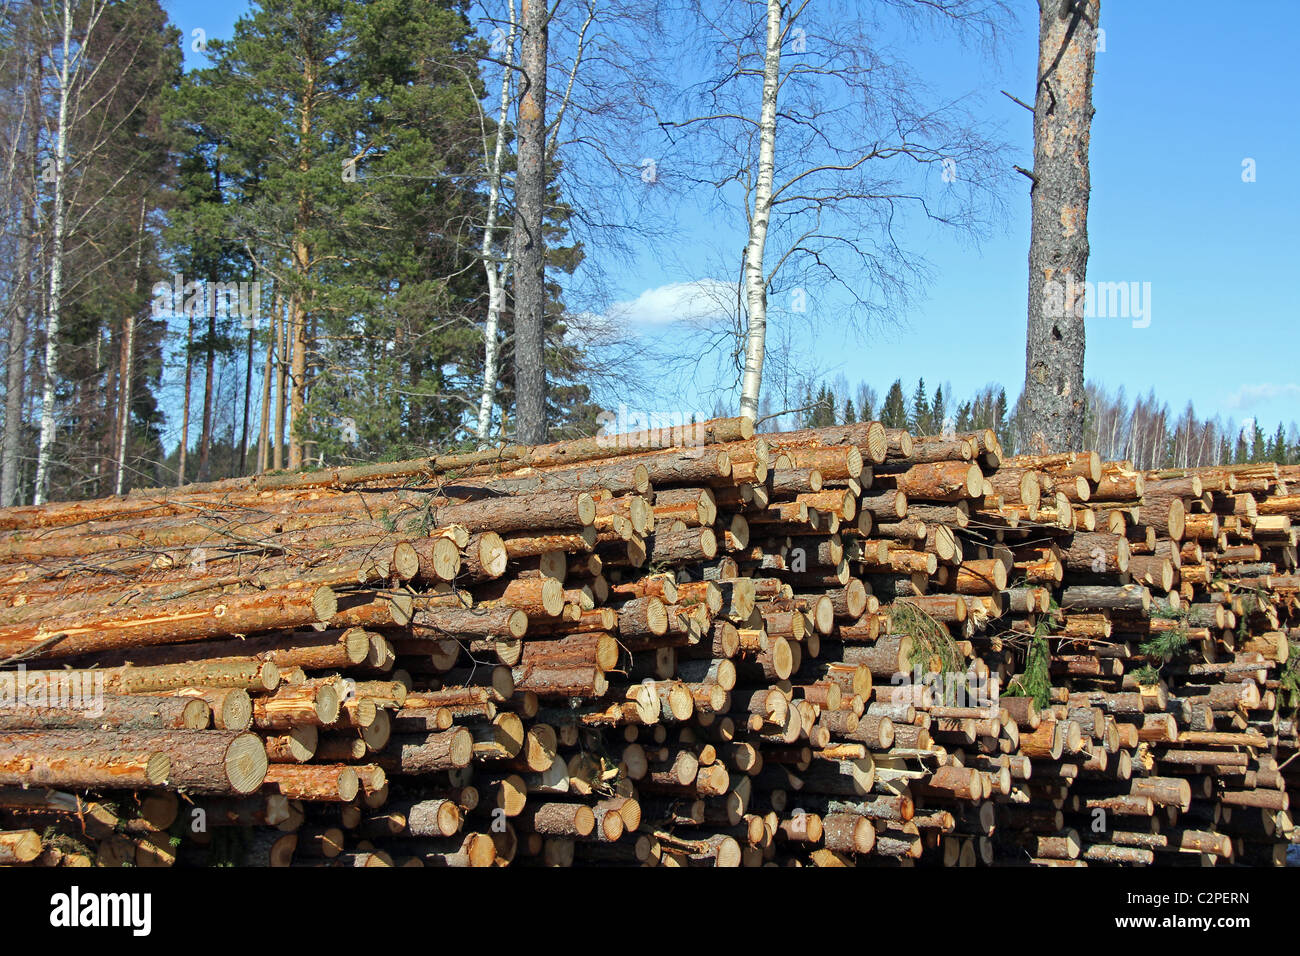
[46,444]
[496,272]
[754,279]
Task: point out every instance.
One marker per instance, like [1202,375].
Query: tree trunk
[281,371]
[755,280]
[45,446]
[124,402]
[200,619]
[78,759]
[264,431]
[298,365]
[116,712]
[16,363]
[209,406]
[248,398]
[301,266]
[15,376]
[126,373]
[1058,247]
[497,273]
[529,242]
[185,414]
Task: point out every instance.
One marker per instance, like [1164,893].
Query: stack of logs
[688,647]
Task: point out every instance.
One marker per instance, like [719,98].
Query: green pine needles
[1035,680]
[1165,645]
[930,639]
[1146,675]
[1290,678]
[931,644]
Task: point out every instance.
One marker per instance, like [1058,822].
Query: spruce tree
[893,413]
[1258,451]
[920,422]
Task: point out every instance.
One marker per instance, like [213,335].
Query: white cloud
[1249,396]
[701,301]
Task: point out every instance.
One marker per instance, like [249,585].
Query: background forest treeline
[298,254]
[1142,430]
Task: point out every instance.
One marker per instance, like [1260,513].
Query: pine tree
[849,415]
[342,131]
[274,111]
[203,255]
[938,412]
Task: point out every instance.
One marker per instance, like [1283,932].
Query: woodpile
[688,647]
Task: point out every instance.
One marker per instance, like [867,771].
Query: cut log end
[246,763]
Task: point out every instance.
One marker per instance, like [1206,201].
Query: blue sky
[1184,93]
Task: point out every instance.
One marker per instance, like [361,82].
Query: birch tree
[828,145]
[101,155]
[67,61]
[760,214]
[590,125]
[496,265]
